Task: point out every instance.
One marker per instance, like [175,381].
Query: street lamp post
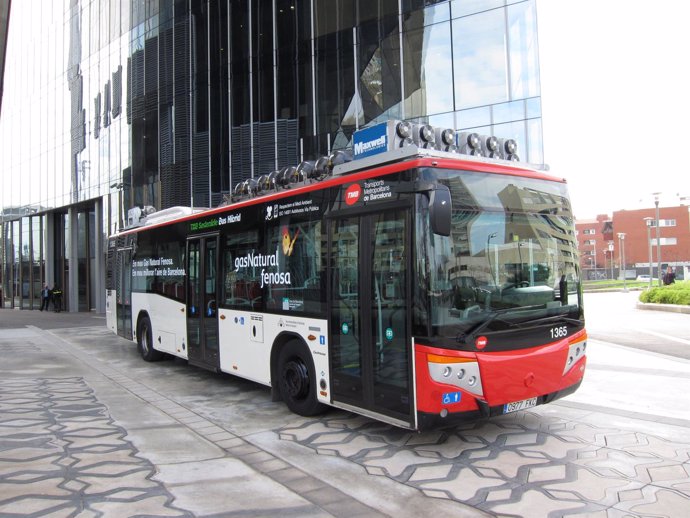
[648,221]
[611,253]
[621,245]
[494,269]
[658,239]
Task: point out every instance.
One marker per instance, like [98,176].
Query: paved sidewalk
[79,437]
[88,429]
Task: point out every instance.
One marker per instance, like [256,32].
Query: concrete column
[98,235]
[49,248]
[72,238]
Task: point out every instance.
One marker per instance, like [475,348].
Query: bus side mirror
[440,210]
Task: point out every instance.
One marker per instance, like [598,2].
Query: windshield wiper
[473,332]
[555,318]
[467,336]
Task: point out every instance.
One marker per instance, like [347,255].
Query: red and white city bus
[432,279]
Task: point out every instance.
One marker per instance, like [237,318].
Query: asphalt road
[614,318]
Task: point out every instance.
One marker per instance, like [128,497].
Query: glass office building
[115,104]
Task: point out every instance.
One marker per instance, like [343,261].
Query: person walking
[669,276]
[45,297]
[57,299]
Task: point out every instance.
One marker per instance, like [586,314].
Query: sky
[615,84]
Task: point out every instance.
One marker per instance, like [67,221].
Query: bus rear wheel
[297,380]
[145,341]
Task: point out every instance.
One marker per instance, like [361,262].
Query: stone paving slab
[60,452]
[203,468]
[510,464]
[575,457]
[230,487]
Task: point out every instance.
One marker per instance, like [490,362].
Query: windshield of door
[510,259]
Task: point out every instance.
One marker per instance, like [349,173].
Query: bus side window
[242,280]
[300,284]
[172,285]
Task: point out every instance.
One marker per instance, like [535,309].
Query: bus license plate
[519,405]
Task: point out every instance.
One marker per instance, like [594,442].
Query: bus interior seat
[465,293]
[467,312]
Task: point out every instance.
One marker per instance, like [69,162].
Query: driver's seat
[465,293]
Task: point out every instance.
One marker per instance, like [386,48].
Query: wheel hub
[296,379]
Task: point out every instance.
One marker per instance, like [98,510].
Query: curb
[670,308]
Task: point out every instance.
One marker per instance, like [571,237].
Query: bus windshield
[511,258]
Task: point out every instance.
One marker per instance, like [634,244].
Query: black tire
[145,341]
[297,380]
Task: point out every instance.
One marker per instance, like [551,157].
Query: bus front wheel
[145,341]
[297,380]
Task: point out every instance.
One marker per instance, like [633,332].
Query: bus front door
[202,310]
[369,335]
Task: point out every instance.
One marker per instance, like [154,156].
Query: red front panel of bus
[517,375]
[506,377]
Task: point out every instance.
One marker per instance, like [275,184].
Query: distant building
[594,240]
[601,247]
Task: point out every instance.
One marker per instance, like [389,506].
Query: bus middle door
[202,308]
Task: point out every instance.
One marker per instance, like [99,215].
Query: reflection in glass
[26,262]
[507,112]
[172,103]
[147,94]
[210,307]
[388,310]
[535,154]
[512,252]
[242,285]
[346,341]
[436,13]
[465,7]
[428,70]
[16,261]
[523,53]
[481,74]
[378,61]
[36,259]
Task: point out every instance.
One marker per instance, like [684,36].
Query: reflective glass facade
[112,104]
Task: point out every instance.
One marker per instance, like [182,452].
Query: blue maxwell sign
[370,141]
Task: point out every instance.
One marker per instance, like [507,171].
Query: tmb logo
[353,194]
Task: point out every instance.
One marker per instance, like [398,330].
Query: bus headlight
[459,372]
[576,351]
